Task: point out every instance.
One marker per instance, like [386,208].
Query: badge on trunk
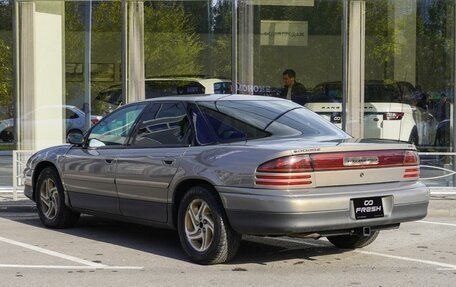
[360,160]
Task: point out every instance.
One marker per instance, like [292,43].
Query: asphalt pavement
[100,252]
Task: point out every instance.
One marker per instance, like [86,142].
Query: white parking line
[446,267]
[52,253]
[437,223]
[428,262]
[87,264]
[70,267]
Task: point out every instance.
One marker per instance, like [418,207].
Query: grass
[4,147]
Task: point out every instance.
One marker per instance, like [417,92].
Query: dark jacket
[298,92]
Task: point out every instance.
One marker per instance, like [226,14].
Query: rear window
[222,88]
[248,120]
[382,94]
[376,93]
[162,88]
[326,94]
[113,97]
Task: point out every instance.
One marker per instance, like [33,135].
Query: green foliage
[6,80]
[171,45]
[6,61]
[435,46]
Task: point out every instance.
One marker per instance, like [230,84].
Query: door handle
[108,160]
[169,161]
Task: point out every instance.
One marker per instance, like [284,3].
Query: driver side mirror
[76,139]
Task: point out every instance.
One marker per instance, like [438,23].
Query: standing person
[292,89]
[442,108]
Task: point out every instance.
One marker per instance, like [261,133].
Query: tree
[6,61]
[171,45]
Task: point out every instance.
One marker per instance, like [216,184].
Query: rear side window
[237,120]
[165,124]
[227,127]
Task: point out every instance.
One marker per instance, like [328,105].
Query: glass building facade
[381,69]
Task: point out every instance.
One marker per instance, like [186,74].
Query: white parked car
[385,114]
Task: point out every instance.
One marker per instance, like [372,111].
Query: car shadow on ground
[164,242]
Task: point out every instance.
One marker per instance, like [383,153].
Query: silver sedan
[215,167]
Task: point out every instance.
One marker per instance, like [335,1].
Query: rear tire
[203,228]
[352,241]
[50,201]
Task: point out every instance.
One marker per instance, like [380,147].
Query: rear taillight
[357,160]
[298,170]
[284,180]
[94,121]
[412,172]
[393,116]
[411,158]
[285,171]
[289,164]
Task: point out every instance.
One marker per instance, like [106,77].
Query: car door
[89,171]
[147,166]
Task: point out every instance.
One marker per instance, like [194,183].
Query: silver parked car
[74,121]
[215,167]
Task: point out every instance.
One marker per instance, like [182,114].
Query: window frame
[134,132]
[133,128]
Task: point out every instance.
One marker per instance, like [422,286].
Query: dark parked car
[111,98]
[219,166]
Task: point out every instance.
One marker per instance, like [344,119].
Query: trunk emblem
[360,160]
[361,175]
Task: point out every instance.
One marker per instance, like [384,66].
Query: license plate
[368,207]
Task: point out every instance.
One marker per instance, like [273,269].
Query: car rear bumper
[320,210]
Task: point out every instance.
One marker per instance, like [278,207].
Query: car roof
[212,97]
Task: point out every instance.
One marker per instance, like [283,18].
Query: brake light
[297,170]
[356,160]
[289,164]
[411,158]
[285,171]
[94,121]
[391,116]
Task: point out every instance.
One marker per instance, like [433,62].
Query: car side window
[228,128]
[165,124]
[70,115]
[114,129]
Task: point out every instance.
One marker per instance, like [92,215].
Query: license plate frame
[368,208]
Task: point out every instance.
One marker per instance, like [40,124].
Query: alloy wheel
[49,197]
[199,225]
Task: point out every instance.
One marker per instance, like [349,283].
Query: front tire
[203,228]
[50,201]
[352,241]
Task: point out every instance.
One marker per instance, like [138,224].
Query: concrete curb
[21,205]
[17,208]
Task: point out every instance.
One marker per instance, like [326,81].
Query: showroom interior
[65,64]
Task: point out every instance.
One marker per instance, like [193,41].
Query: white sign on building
[284,33]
